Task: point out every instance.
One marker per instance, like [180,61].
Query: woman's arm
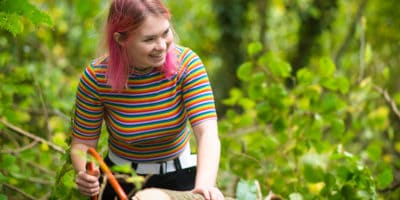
[78,153]
[87,184]
[208,155]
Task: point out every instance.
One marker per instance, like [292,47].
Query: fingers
[87,184]
[209,193]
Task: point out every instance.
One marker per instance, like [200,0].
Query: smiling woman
[152,95]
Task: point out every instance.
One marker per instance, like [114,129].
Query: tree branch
[31,136]
[18,150]
[389,100]
[28,196]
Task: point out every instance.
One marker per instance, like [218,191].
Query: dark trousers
[181,180]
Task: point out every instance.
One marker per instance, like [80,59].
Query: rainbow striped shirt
[147,121]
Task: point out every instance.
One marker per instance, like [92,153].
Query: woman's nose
[161,44]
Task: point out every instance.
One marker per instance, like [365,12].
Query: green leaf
[234,97]
[277,67]
[368,53]
[374,151]
[343,84]
[385,178]
[326,67]
[245,70]
[11,23]
[246,190]
[2,178]
[7,161]
[313,174]
[254,48]
[295,196]
[122,168]
[337,127]
[305,76]
[11,12]
[3,197]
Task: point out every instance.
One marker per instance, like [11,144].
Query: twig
[18,150]
[41,168]
[258,188]
[32,136]
[40,181]
[389,100]
[28,196]
[10,137]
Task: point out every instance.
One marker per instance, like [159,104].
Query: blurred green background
[307,93]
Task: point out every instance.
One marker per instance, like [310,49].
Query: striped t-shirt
[147,121]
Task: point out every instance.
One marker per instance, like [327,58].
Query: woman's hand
[88,184]
[209,193]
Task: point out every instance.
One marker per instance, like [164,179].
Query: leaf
[234,97]
[11,23]
[122,168]
[7,161]
[245,70]
[305,76]
[385,178]
[343,84]
[326,67]
[2,178]
[374,151]
[313,174]
[246,190]
[277,67]
[254,48]
[44,146]
[295,196]
[11,12]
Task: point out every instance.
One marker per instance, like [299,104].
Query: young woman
[152,94]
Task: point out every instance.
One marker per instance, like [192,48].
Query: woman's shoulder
[184,52]
[101,61]
[99,64]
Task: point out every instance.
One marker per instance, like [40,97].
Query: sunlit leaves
[279,68]
[254,48]
[324,109]
[12,12]
[245,70]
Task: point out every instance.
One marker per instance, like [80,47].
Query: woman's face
[148,45]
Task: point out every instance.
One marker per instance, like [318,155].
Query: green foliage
[306,141]
[13,12]
[331,135]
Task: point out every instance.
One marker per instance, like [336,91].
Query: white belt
[185,159]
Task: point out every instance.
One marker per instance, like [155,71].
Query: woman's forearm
[78,154]
[208,154]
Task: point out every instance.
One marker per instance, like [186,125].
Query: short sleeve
[88,115]
[196,89]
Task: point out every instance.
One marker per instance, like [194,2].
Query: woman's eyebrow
[155,35]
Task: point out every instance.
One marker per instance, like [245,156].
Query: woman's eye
[149,39]
[166,32]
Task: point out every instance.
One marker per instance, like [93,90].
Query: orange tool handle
[90,170]
[112,180]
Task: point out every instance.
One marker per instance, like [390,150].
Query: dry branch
[32,136]
[389,100]
[26,195]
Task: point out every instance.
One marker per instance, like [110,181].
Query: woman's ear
[118,38]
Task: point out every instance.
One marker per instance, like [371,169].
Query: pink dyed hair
[125,16]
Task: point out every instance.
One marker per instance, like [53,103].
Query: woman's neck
[143,70]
